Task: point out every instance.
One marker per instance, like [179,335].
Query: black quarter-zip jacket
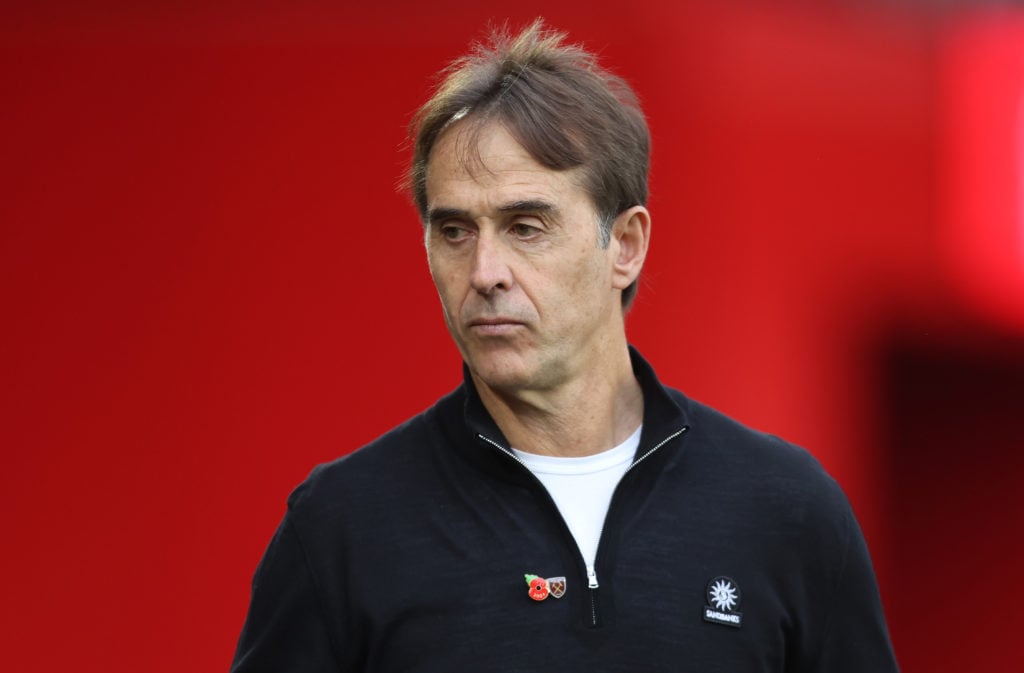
[724,550]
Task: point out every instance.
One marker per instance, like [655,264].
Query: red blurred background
[211,281]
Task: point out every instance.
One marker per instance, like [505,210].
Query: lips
[483,322]
[494,326]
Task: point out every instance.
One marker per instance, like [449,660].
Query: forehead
[488,163]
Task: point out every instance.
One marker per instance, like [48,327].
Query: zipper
[591,570]
[592,587]
[592,582]
[600,533]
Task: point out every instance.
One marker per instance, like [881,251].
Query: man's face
[526,289]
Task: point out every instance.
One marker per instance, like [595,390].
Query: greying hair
[558,103]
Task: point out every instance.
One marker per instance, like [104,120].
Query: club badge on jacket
[541,588]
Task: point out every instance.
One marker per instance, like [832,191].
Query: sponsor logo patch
[723,602]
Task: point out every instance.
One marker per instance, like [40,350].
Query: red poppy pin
[541,588]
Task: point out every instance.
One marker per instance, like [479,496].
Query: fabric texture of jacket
[724,550]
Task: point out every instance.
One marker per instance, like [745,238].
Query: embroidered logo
[541,588]
[723,602]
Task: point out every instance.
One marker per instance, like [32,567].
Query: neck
[590,413]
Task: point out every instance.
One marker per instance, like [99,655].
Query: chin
[501,378]
[502,373]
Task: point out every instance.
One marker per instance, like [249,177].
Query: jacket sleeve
[285,629]
[854,636]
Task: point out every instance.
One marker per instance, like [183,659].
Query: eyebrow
[435,215]
[529,206]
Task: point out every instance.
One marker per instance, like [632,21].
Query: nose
[491,270]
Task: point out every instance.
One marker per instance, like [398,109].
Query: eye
[524,230]
[453,232]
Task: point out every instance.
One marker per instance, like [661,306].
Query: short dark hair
[558,103]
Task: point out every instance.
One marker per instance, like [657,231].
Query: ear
[631,234]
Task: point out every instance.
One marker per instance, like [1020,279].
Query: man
[561,510]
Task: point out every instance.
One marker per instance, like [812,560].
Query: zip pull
[591,577]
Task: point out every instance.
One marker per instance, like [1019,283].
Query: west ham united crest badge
[723,602]
[541,588]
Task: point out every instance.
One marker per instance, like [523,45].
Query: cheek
[452,292]
[585,285]
[443,277]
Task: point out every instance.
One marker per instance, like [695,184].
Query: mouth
[494,326]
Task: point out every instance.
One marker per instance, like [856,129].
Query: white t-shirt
[582,488]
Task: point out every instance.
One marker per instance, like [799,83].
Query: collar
[666,412]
